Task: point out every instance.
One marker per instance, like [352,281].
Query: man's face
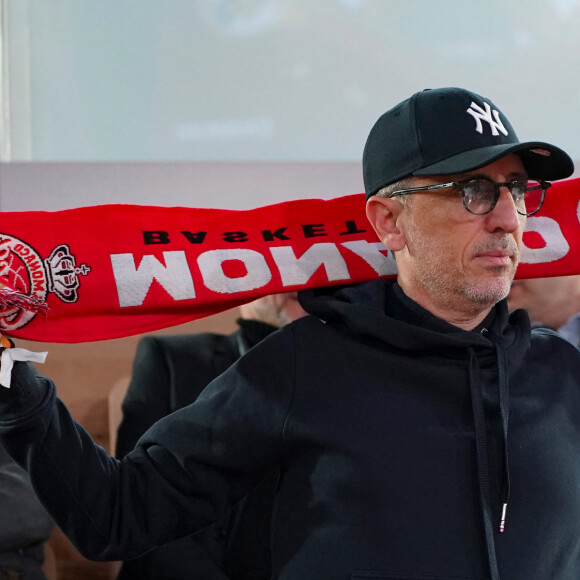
[549,301]
[277,309]
[453,259]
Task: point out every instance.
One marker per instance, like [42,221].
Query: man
[552,302]
[419,432]
[169,372]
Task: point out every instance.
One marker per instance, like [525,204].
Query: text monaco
[235,270]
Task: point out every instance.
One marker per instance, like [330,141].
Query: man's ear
[383,214]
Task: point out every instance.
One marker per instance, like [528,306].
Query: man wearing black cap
[420,432]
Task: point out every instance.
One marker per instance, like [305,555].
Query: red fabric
[116,270]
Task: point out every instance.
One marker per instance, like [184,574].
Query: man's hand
[9,353]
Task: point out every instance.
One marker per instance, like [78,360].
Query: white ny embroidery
[480,115]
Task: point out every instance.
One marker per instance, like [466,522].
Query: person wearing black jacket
[420,430]
[169,372]
[26,527]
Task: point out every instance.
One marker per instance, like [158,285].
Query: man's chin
[488,292]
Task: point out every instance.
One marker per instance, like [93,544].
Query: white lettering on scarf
[133,283]
[555,244]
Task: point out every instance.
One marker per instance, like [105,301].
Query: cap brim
[541,160]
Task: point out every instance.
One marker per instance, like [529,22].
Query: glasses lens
[518,189]
[534,197]
[478,195]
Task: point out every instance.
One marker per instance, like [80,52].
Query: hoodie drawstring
[504,410]
[482,462]
[482,449]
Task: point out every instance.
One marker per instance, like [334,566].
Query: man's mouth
[498,257]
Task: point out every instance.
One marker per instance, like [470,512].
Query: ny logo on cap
[480,115]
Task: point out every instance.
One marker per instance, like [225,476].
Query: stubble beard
[452,289]
[488,292]
[493,289]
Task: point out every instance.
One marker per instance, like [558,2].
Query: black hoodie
[400,438]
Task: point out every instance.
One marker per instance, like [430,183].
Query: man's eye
[518,190]
[469,193]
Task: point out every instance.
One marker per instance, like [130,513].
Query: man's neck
[466,316]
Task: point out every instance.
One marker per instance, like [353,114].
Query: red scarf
[109,271]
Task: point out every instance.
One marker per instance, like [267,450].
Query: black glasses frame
[543,185]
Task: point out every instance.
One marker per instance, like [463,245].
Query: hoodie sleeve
[185,472]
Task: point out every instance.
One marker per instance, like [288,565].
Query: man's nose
[504,215]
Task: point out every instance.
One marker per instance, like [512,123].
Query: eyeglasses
[480,194]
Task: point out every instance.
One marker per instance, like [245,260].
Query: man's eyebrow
[516,175]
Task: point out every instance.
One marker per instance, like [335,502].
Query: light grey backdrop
[149,91]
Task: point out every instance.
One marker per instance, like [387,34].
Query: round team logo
[24,271]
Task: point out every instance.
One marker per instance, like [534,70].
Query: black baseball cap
[450,130]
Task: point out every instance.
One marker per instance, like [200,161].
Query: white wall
[239,104]
[271,80]
[55,186]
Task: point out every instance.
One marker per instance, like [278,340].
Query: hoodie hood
[380,310]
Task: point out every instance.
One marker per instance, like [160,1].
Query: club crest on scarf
[26,279]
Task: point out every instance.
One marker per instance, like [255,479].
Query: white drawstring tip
[10,355]
[502,522]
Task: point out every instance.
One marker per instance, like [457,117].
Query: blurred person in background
[552,302]
[24,525]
